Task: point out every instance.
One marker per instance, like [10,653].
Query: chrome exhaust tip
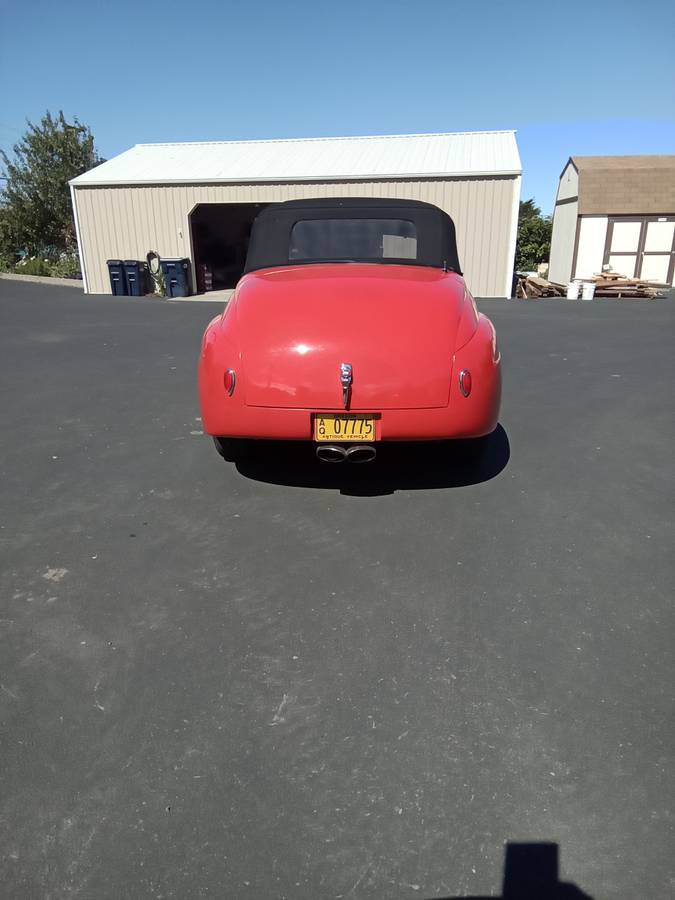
[331,453]
[361,453]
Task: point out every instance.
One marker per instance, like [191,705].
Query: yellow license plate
[344,428]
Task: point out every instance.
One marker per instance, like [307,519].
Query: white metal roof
[324,159]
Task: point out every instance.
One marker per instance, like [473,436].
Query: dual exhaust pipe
[334,453]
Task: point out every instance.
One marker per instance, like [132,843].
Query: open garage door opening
[220,236]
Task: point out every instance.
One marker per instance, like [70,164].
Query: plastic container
[176,277]
[135,272]
[588,290]
[573,290]
[118,281]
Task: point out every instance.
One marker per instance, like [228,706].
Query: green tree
[534,237]
[35,210]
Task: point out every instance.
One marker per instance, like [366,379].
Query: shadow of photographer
[531,872]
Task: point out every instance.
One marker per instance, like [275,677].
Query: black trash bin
[118,281]
[176,277]
[136,275]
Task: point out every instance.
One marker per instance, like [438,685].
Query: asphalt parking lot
[288,681]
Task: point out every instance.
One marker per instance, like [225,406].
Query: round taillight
[229,380]
[465,382]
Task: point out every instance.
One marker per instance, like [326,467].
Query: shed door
[623,244]
[658,252]
[642,248]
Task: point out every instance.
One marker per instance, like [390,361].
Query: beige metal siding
[562,242]
[127,222]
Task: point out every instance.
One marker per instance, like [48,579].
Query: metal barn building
[198,200]
[615,213]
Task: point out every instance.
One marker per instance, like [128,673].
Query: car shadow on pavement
[399,466]
[531,873]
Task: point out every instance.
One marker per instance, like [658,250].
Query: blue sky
[572,78]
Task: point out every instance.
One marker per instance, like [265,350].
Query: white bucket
[588,290]
[573,290]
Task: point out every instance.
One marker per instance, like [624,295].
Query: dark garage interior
[220,235]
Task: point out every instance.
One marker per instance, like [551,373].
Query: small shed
[615,214]
[198,200]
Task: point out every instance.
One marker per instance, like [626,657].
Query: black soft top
[273,229]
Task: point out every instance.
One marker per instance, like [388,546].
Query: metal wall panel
[127,222]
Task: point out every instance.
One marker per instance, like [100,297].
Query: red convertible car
[351,325]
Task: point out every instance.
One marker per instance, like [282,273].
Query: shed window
[353,239]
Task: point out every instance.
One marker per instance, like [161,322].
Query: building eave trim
[408,176]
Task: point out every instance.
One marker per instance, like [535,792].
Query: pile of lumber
[532,287]
[608,284]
